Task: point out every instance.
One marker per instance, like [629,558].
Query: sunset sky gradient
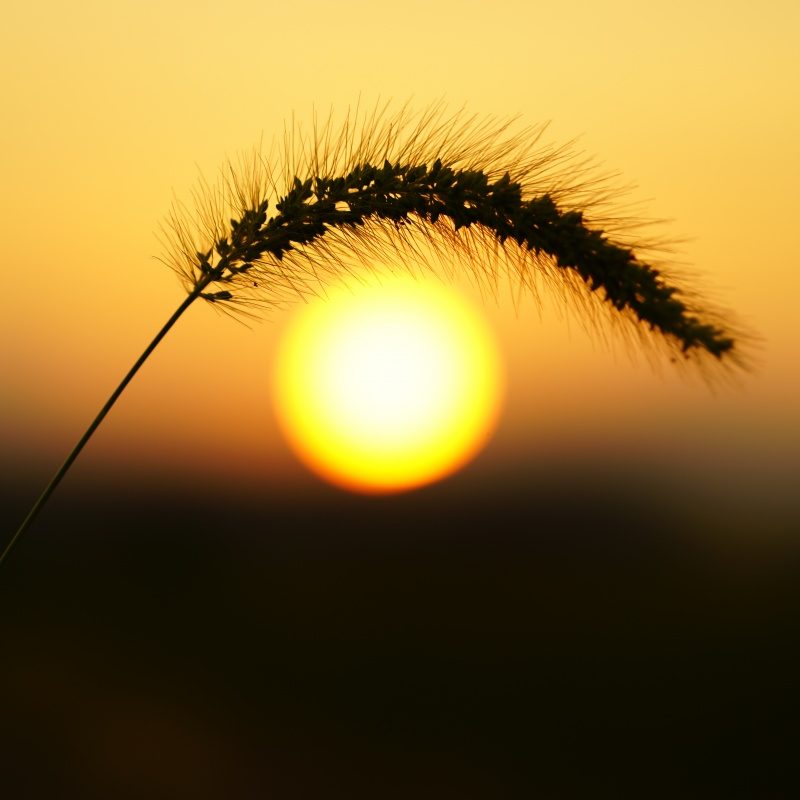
[110,114]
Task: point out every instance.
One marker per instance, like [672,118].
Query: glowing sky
[109,109]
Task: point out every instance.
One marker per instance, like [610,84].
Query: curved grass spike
[431,188]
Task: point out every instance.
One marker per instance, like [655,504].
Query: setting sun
[388,385]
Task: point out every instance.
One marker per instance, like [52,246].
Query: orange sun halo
[387,385]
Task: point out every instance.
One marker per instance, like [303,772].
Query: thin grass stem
[37,506]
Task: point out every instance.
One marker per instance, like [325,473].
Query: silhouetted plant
[431,189]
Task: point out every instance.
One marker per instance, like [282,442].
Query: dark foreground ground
[573,640]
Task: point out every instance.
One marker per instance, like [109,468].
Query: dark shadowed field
[582,636]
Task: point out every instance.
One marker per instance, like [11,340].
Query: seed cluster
[403,194]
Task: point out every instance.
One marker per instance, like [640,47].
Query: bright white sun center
[387,386]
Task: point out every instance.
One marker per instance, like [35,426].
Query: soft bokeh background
[195,615]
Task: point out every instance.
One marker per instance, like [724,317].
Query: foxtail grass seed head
[440,191]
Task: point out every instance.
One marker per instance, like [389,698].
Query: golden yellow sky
[109,109]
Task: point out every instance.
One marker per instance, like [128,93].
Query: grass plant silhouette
[433,189]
